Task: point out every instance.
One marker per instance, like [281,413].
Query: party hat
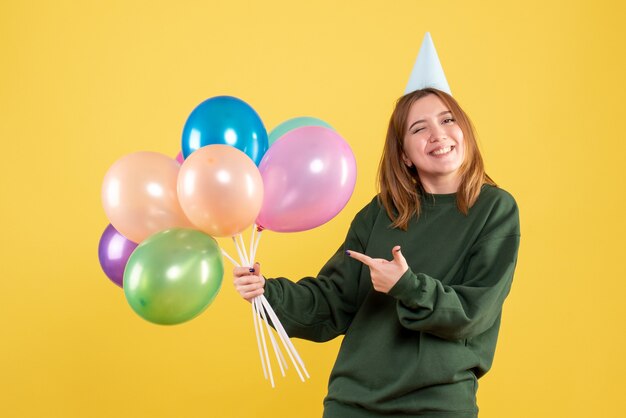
[427,71]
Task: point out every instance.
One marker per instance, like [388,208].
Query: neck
[441,185]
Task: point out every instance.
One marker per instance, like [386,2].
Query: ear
[407,161]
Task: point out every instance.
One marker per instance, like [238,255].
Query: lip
[452,148]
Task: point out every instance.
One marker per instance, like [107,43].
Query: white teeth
[442,151]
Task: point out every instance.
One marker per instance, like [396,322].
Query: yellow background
[84,83]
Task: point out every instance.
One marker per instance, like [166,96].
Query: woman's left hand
[385,274]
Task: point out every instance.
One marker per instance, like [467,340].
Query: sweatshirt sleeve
[320,309]
[466,310]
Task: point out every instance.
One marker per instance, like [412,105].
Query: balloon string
[256,246]
[282,357]
[232,260]
[284,338]
[242,245]
[243,260]
[267,356]
[277,352]
[256,317]
[252,245]
[256,331]
[261,309]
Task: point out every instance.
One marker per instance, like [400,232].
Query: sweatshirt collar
[438,199]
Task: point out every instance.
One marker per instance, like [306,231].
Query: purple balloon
[113,252]
[308,177]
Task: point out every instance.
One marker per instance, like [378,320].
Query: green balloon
[173,276]
[292,124]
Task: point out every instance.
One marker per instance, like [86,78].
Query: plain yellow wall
[83,83]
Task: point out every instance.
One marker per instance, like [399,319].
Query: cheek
[461,142]
[412,149]
[463,152]
[458,133]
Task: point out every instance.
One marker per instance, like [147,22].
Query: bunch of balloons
[164,211]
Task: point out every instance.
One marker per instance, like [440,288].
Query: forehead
[426,107]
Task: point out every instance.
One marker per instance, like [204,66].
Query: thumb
[397,255]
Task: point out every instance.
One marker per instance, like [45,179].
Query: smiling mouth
[441,151]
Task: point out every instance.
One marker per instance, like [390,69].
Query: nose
[437,132]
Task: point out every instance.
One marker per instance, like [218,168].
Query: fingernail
[347,252]
[251,270]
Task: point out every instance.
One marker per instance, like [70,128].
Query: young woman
[418,285]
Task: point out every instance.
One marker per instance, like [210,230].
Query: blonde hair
[399,186]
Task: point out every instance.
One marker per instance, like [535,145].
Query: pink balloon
[139,195]
[308,176]
[220,190]
[180,158]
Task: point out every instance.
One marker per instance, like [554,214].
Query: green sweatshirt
[418,350]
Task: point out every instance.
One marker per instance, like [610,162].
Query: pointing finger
[361,257]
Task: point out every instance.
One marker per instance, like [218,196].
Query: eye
[449,120]
[414,131]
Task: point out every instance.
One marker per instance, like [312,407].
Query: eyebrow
[423,120]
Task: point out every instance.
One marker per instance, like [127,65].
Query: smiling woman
[434,145]
[435,139]
[420,329]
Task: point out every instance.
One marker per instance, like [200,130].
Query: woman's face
[433,143]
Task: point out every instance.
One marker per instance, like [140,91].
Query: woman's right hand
[248,281]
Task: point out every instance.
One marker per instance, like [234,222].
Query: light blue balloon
[225,120]
[294,123]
